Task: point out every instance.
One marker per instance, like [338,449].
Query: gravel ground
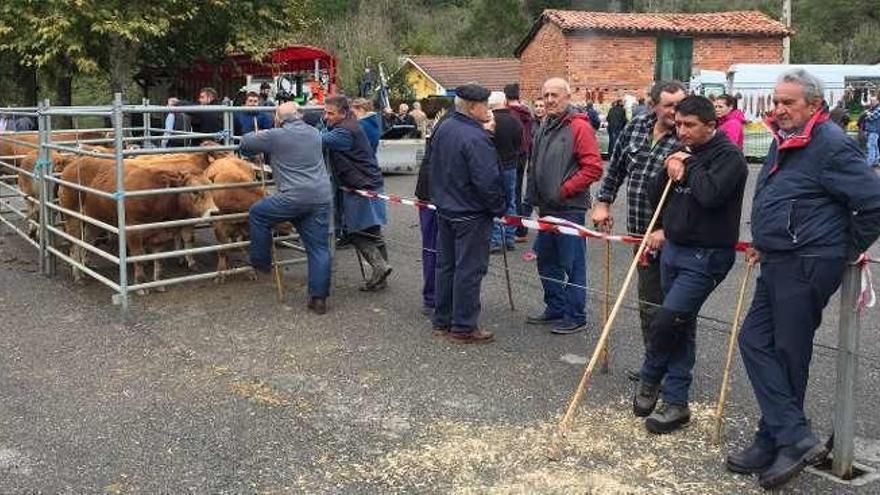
[220,389]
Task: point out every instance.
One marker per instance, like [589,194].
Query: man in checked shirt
[637,158]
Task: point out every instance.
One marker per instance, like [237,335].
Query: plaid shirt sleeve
[616,171]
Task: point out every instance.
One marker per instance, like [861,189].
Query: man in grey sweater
[304,197]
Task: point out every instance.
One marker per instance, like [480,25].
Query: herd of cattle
[141,173]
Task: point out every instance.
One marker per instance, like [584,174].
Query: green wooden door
[674,59]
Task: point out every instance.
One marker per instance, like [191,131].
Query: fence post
[120,200]
[228,125]
[48,191]
[147,142]
[847,368]
[42,157]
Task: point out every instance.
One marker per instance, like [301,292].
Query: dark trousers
[689,275]
[776,340]
[462,262]
[613,134]
[650,293]
[562,265]
[312,222]
[523,209]
[428,225]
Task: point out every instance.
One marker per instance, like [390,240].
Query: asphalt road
[220,389]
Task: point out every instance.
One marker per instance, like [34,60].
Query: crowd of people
[816,207]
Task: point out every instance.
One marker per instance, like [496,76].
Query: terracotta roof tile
[744,22]
[451,72]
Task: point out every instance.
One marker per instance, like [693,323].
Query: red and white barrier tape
[543,224]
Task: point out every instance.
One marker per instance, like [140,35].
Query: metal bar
[204,276]
[185,149]
[199,250]
[79,151]
[47,196]
[120,202]
[28,113]
[78,113]
[185,222]
[18,169]
[80,187]
[85,245]
[43,156]
[146,123]
[847,373]
[204,109]
[7,139]
[88,271]
[18,231]
[19,212]
[176,190]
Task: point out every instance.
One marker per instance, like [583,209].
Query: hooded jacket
[528,122]
[704,209]
[732,125]
[565,161]
[815,195]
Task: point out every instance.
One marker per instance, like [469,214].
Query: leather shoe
[791,460]
[475,336]
[543,318]
[754,459]
[318,305]
[645,398]
[440,332]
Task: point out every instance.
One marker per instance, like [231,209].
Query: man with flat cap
[467,188]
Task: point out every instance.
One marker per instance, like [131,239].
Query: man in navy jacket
[816,208]
[466,187]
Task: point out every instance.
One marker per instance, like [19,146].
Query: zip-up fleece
[815,195]
[565,161]
[704,209]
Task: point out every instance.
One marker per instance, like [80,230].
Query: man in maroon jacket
[524,114]
[565,161]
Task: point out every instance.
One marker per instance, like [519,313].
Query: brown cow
[100,174]
[29,188]
[232,170]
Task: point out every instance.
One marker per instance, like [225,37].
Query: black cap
[472,92]
[265,85]
[511,91]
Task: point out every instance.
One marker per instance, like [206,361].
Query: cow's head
[194,203]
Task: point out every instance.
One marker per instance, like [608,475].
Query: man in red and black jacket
[524,114]
[565,161]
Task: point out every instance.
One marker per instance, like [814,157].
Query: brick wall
[719,53]
[546,56]
[601,66]
[610,64]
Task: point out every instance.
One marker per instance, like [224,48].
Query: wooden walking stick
[276,268]
[604,358]
[555,451]
[506,270]
[731,349]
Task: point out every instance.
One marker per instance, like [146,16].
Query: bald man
[303,197]
[565,161]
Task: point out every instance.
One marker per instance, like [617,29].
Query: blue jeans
[562,266]
[312,222]
[873,149]
[509,176]
[462,262]
[523,209]
[688,276]
[776,340]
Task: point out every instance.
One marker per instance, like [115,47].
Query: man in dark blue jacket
[354,166]
[816,207]
[248,122]
[467,189]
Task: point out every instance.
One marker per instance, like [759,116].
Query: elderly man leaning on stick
[303,198]
[816,208]
[698,234]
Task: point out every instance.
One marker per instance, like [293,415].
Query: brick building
[610,54]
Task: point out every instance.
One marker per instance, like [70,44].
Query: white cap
[497,99]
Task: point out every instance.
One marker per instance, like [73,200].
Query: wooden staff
[555,451]
[276,268]
[604,358]
[731,348]
[506,268]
